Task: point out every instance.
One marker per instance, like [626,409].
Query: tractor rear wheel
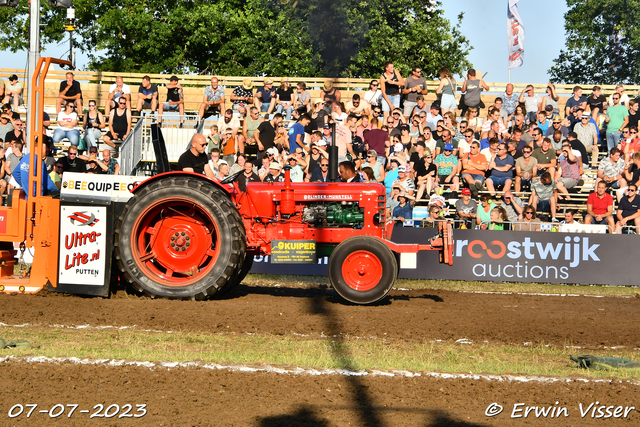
[180,237]
[362,269]
[242,273]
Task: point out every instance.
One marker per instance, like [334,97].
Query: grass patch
[452,285]
[321,353]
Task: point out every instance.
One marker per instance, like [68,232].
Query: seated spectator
[378,168]
[347,172]
[147,95]
[232,141]
[587,133]
[446,140]
[195,159]
[321,173]
[297,164]
[546,158]
[448,167]
[434,220]
[23,172]
[92,123]
[330,93]
[12,159]
[500,167]
[494,122]
[67,121]
[611,171]
[16,134]
[250,124]
[404,180]
[569,171]
[492,150]
[404,211]
[569,217]
[265,97]
[600,207]
[274,174]
[483,213]
[392,173]
[5,125]
[632,172]
[238,166]
[119,125]
[242,98]
[513,206]
[499,219]
[118,90]
[466,208]
[426,176]
[474,166]
[285,98]
[543,122]
[530,221]
[175,100]
[532,103]
[628,213]
[433,116]
[512,149]
[55,175]
[630,143]
[303,99]
[113,168]
[544,195]
[70,91]
[572,140]
[223,170]
[71,162]
[212,101]
[13,92]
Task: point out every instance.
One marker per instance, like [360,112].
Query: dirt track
[184,396]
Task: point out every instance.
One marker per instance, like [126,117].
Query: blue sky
[484,24]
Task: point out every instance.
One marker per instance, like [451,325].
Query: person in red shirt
[600,207]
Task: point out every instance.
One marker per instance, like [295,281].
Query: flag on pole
[515,35]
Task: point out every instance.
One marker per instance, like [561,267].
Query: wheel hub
[362,270]
[180,241]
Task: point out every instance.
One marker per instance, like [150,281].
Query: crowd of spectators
[526,145]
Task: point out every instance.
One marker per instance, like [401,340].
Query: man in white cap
[274,174]
[404,181]
[242,97]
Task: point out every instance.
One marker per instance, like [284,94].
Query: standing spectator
[296,134]
[509,100]
[265,97]
[474,166]
[175,100]
[628,210]
[617,117]
[448,167]
[147,95]
[69,91]
[303,99]
[546,157]
[466,208]
[577,100]
[596,102]
[610,172]
[212,101]
[285,98]
[92,123]
[374,95]
[194,159]
[67,121]
[119,125]
[472,87]
[526,169]
[500,167]
[117,90]
[242,97]
[532,103]
[551,100]
[13,92]
[390,83]
[265,135]
[600,207]
[414,85]
[544,195]
[447,90]
[569,171]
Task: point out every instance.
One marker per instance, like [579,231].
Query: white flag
[515,35]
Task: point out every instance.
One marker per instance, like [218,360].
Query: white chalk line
[304,371]
[534,294]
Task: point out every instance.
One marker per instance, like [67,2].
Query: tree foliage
[603,43]
[254,37]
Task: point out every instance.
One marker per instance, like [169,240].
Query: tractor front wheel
[362,269]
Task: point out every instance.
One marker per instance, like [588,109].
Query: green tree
[603,43]
[254,37]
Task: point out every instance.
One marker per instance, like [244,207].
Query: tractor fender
[227,189]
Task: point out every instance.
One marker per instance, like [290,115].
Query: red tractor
[182,235]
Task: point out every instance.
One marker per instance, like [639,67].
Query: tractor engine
[334,214]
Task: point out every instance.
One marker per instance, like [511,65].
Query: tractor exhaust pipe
[333,155]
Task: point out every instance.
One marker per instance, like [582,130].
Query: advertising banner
[83,234]
[511,256]
[515,35]
[113,187]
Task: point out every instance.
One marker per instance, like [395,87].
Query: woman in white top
[67,121]
[374,95]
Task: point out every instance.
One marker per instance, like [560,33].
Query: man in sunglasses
[628,213]
[414,86]
[195,159]
[119,124]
